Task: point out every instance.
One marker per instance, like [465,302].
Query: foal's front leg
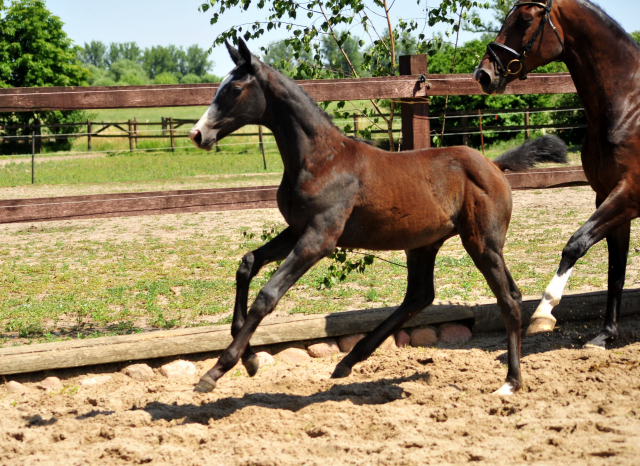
[318,241]
[276,249]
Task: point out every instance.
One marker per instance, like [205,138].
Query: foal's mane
[293,88]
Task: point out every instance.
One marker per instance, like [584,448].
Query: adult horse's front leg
[276,249]
[312,246]
[616,211]
[420,294]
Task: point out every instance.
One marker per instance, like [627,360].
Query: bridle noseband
[519,57]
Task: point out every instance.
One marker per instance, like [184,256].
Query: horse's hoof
[506,389]
[598,342]
[251,364]
[540,325]
[341,371]
[205,385]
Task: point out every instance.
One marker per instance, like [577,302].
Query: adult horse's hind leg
[276,249]
[420,294]
[618,246]
[617,210]
[486,253]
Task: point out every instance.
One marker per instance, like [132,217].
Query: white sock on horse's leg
[550,298]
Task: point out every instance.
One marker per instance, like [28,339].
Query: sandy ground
[405,407]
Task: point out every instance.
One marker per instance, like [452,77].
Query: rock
[347,342]
[402,339]
[15,387]
[294,356]
[453,333]
[324,349]
[179,368]
[97,380]
[389,344]
[424,336]
[265,359]
[140,372]
[51,383]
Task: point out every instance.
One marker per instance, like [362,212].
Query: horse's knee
[265,302]
[246,268]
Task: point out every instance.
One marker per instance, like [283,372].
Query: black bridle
[519,57]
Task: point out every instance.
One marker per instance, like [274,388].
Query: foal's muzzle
[198,140]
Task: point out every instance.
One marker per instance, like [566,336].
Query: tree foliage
[35,51]
[153,64]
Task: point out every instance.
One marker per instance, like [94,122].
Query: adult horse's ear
[248,57]
[233,53]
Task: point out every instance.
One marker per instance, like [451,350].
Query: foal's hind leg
[487,256]
[276,249]
[618,247]
[616,211]
[420,294]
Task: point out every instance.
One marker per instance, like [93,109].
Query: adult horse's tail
[547,148]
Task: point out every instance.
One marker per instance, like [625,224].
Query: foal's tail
[547,148]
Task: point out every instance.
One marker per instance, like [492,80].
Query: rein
[519,57]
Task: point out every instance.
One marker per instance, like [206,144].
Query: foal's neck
[303,132]
[603,60]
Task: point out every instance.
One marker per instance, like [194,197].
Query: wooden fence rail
[184,95]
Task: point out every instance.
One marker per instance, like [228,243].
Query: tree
[313,23]
[93,53]
[123,51]
[198,62]
[35,51]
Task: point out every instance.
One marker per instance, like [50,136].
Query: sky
[164,22]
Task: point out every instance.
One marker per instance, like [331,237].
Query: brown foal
[338,191]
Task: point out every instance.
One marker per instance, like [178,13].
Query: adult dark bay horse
[338,191]
[605,66]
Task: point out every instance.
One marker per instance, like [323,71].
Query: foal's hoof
[251,364]
[598,342]
[341,371]
[540,325]
[205,385]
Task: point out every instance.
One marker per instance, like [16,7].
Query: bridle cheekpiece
[519,57]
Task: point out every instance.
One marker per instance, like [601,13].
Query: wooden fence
[412,88]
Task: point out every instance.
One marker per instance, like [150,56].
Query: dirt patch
[409,406]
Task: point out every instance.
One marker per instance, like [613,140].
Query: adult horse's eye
[237,89]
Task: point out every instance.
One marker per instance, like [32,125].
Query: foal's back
[411,199]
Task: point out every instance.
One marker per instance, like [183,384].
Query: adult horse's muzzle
[489,81]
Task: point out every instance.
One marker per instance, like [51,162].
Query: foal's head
[239,100]
[528,39]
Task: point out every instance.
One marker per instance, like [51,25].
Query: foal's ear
[233,53]
[248,57]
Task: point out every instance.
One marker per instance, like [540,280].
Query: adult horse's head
[528,39]
[239,100]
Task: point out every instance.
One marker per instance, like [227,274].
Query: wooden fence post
[171,132]
[481,135]
[130,136]
[89,131]
[527,134]
[38,136]
[264,159]
[416,130]
[33,157]
[135,131]
[356,126]
[465,128]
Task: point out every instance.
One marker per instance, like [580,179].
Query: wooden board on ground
[75,353]
[202,200]
[485,315]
